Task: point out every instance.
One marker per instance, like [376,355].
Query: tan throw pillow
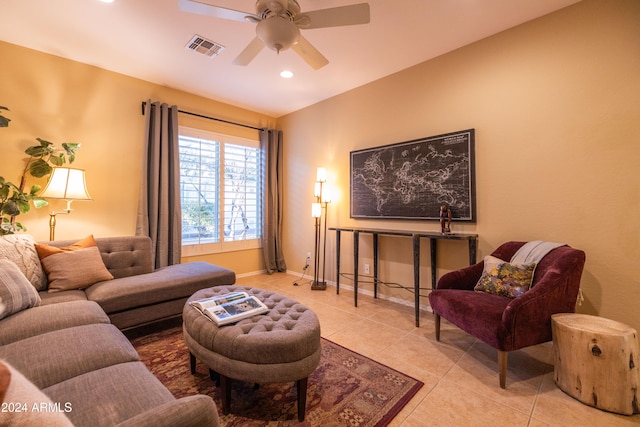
[20,248]
[77,266]
[16,293]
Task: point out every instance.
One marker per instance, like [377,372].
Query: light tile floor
[460,374]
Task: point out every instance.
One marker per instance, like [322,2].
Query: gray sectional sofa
[64,360]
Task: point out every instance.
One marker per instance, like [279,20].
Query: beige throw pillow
[20,248]
[16,293]
[76,269]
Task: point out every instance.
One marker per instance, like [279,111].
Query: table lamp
[67,184]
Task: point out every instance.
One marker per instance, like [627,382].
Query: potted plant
[14,200]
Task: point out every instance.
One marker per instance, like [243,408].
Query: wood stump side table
[596,361]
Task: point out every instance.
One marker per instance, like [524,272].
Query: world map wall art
[412,179]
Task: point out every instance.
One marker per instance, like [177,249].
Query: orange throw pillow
[46,250]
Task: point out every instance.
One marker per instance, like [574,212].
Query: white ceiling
[146,39]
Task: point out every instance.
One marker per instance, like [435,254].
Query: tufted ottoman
[279,346]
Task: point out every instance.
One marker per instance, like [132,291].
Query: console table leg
[375,265]
[356,242]
[433,243]
[473,247]
[416,277]
[337,262]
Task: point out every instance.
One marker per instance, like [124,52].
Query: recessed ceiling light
[107,1]
[286,74]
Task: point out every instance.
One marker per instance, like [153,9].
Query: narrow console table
[416,236]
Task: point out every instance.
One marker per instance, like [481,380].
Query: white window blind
[220,182]
[199,190]
[241,192]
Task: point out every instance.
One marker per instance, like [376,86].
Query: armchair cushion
[504,278]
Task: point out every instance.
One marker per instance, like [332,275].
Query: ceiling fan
[278,24]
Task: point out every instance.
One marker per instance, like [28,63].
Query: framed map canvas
[412,179]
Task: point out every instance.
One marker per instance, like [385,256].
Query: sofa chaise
[137,294]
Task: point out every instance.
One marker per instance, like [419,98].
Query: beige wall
[65,101]
[555,104]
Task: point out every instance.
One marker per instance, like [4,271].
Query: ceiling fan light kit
[278,25]
[277,33]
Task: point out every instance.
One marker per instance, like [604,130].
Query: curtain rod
[144,104]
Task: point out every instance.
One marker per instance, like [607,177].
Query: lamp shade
[326,195]
[316,210]
[321,175]
[67,184]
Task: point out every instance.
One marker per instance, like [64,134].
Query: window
[220,192]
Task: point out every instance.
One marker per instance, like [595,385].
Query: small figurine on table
[445,218]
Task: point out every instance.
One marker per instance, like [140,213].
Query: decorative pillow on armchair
[77,266]
[505,279]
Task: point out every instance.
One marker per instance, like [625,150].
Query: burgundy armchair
[510,324]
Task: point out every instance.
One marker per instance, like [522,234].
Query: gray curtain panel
[159,202]
[271,145]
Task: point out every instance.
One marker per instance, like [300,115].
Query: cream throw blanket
[534,251]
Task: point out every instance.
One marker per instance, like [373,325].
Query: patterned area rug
[346,389]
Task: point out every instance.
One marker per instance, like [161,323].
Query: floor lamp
[66,184]
[322,201]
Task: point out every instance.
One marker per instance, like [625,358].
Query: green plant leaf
[57,160]
[37,151]
[70,147]
[10,208]
[44,142]
[24,206]
[39,202]
[40,168]
[34,190]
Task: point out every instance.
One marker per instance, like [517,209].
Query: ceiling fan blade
[338,16]
[310,54]
[200,8]
[249,52]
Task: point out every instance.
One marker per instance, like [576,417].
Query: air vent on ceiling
[204,46]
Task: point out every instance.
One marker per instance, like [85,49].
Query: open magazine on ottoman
[230,308]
